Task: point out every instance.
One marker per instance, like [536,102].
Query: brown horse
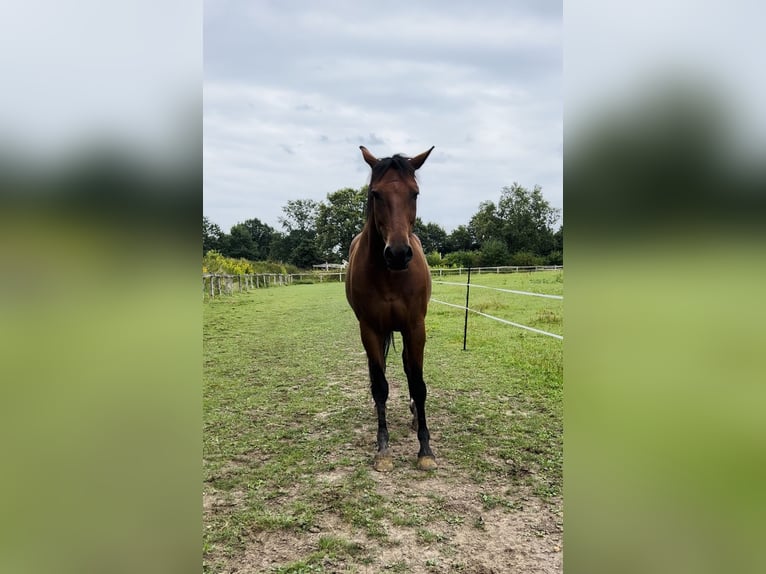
[388,285]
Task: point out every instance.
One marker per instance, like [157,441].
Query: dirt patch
[519,534]
[438,523]
[214,501]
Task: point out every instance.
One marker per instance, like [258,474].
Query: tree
[261,235]
[431,235]
[556,256]
[486,223]
[526,220]
[494,253]
[298,246]
[304,253]
[459,240]
[211,235]
[338,220]
[521,219]
[280,248]
[300,215]
[239,243]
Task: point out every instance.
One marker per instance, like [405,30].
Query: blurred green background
[665,181]
[100,324]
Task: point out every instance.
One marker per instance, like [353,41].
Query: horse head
[392,204]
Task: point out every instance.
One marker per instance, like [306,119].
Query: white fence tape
[503,290]
[499,319]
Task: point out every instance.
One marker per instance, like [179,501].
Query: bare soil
[463,534]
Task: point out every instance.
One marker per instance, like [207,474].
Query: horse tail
[387,345]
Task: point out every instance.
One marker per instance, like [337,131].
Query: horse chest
[396,310]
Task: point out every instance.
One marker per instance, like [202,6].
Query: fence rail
[215,284]
[447,271]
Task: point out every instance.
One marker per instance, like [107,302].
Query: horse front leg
[374,345]
[383,462]
[414,345]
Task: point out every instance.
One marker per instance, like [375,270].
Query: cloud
[483,85]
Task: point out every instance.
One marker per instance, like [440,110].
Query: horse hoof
[427,462]
[383,463]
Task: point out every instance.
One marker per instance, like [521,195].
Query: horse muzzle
[397,257]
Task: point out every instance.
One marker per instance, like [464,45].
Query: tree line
[517,230]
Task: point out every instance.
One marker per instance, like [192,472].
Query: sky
[292,89]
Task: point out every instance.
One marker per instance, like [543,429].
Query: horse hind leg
[414,411]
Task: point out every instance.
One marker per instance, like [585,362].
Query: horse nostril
[397,257]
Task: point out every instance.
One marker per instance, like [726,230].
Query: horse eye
[376,195]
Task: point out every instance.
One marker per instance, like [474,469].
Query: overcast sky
[292,89]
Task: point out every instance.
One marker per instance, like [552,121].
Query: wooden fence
[215,284]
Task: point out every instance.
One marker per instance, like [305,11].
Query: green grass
[506,388]
[289,429]
[538,312]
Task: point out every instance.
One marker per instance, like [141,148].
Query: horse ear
[368,157]
[419,160]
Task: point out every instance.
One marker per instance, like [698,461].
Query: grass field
[289,436]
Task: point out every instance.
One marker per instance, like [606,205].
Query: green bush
[494,253]
[214,262]
[463,259]
[434,259]
[555,258]
[526,258]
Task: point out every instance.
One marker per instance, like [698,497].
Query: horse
[388,285]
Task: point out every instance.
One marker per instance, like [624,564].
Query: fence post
[467,291]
